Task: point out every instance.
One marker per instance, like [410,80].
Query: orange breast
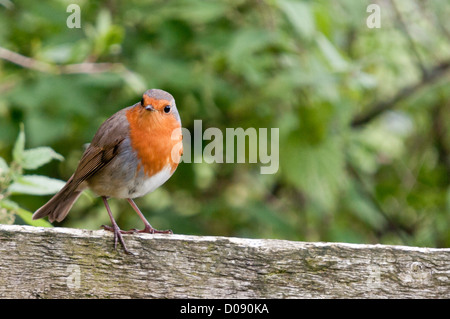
[156,138]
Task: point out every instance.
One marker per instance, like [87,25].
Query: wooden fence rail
[72,263]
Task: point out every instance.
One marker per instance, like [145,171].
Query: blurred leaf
[57,54]
[262,214]
[104,21]
[19,146]
[366,80]
[316,170]
[3,166]
[106,36]
[25,215]
[195,11]
[245,53]
[246,43]
[36,157]
[332,55]
[36,185]
[300,15]
[363,208]
[135,82]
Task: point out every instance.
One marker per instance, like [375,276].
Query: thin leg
[148,228]
[114,228]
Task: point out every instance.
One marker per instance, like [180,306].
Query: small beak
[150,108]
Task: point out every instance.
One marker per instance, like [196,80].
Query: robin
[133,153]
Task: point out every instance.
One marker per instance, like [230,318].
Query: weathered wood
[73,263]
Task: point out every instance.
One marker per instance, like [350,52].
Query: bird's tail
[59,205]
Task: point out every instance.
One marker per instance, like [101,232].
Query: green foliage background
[306,67]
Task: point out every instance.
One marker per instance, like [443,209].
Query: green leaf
[246,55]
[104,21]
[36,185]
[39,156]
[362,208]
[19,146]
[61,53]
[195,11]
[3,166]
[334,58]
[24,214]
[134,81]
[317,170]
[300,15]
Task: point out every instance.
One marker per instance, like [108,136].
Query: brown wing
[94,159]
[104,147]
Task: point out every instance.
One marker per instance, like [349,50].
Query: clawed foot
[111,229]
[117,236]
[149,230]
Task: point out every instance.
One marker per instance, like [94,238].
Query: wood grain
[72,263]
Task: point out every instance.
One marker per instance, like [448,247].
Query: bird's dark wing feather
[94,159]
[104,147]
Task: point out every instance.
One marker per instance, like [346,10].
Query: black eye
[167,109]
[142,102]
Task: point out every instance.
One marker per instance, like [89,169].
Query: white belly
[144,185]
